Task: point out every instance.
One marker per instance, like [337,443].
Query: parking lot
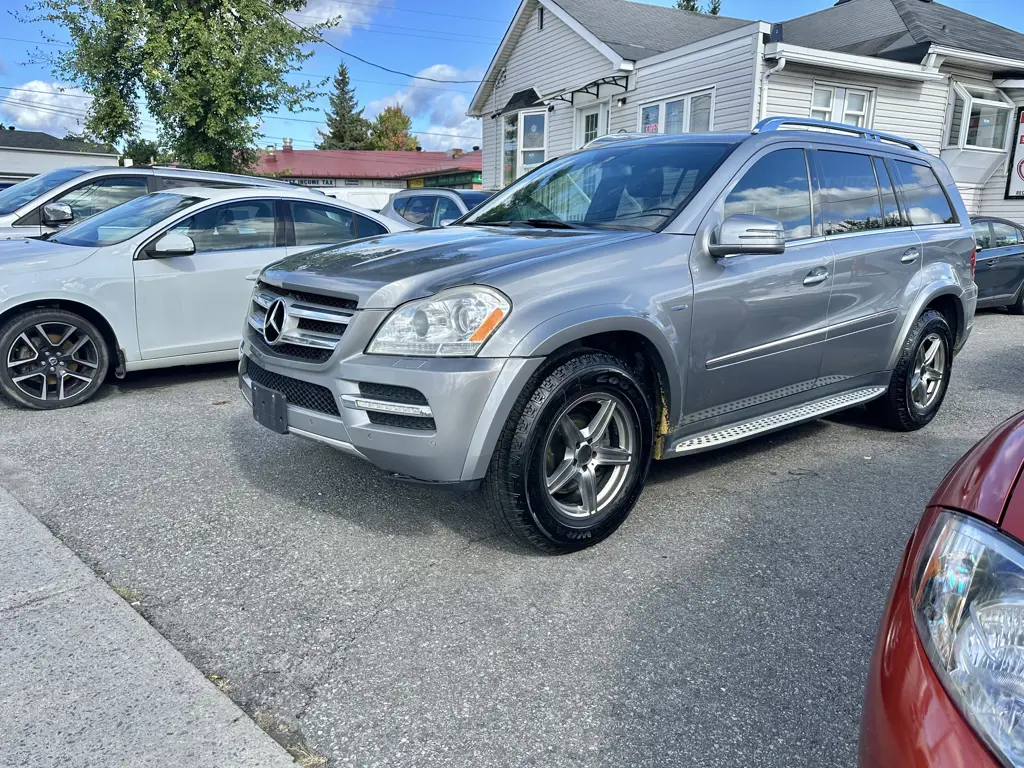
[728,622]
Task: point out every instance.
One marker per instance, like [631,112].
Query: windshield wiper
[547,224]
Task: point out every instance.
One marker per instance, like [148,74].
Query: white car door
[195,304]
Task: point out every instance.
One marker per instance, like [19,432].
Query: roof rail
[610,138]
[776,123]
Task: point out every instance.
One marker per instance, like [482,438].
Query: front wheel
[573,456]
[51,359]
[921,376]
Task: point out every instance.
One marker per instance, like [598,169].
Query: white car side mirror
[172,244]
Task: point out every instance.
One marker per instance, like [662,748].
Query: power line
[372,26]
[426,13]
[317,37]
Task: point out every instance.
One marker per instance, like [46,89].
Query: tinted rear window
[923,195]
[851,199]
[472,198]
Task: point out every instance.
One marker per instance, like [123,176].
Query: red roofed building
[331,168]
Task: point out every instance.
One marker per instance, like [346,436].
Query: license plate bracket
[270,408]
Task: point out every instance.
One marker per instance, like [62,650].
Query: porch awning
[520,100]
[592,88]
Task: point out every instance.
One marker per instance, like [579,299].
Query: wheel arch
[946,298]
[91,314]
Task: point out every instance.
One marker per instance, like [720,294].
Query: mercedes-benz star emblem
[273,326]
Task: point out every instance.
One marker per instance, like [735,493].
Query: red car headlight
[969,608]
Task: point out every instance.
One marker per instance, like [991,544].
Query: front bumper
[469,401]
[909,720]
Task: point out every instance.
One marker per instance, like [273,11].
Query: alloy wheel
[589,453]
[53,361]
[929,371]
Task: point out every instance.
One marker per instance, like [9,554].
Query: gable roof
[39,140]
[636,30]
[899,29]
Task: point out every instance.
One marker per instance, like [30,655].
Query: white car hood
[39,255]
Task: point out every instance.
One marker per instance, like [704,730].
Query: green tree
[206,70]
[144,152]
[346,126]
[391,131]
[713,9]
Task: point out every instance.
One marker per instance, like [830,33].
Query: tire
[70,363]
[538,441]
[1017,307]
[907,407]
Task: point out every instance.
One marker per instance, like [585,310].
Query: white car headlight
[453,323]
[969,606]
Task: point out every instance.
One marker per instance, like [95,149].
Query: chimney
[271,149]
[455,152]
[286,145]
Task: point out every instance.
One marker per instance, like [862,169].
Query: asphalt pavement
[728,622]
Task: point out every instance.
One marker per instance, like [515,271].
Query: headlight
[969,606]
[454,323]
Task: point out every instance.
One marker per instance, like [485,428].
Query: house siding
[992,196]
[546,60]
[728,67]
[911,109]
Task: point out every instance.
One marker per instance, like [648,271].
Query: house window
[540,18]
[980,117]
[590,127]
[690,113]
[841,104]
[524,143]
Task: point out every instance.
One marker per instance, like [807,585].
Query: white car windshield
[12,198]
[124,221]
[618,186]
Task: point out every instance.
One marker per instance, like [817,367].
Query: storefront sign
[1015,184]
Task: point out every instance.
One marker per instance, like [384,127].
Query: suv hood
[383,272]
[39,255]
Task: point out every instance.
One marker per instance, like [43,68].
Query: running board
[778,420]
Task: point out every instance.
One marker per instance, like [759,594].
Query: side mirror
[57,213]
[748,234]
[172,244]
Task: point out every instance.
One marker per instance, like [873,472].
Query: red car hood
[985,481]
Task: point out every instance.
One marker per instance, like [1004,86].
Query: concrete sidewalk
[85,681]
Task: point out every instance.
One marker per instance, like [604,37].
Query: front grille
[398,420]
[311,298]
[392,392]
[299,393]
[313,327]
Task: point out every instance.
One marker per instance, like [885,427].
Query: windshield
[629,187]
[124,221]
[12,198]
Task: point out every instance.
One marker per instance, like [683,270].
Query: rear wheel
[921,376]
[574,453]
[51,359]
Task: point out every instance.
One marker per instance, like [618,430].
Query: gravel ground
[728,622]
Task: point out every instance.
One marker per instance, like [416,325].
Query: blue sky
[446,39]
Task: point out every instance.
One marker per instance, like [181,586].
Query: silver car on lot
[646,298]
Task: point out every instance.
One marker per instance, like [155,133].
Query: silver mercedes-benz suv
[645,298]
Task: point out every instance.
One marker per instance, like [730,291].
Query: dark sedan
[1000,272]
[946,683]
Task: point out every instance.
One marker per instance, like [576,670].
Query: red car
[946,683]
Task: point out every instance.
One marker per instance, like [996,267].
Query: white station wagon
[159,281]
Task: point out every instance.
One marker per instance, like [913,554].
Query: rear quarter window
[923,194]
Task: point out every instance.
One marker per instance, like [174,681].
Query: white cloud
[436,111]
[41,106]
[318,11]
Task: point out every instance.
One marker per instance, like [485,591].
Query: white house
[24,154]
[568,71]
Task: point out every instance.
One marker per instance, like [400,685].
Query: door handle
[910,256]
[816,277]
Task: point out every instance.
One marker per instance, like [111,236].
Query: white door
[188,305]
[591,122]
